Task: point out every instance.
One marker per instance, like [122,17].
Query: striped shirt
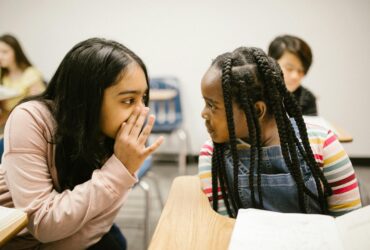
[328,153]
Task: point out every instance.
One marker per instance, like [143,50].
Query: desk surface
[188,221]
[343,136]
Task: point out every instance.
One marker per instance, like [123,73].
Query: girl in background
[295,57]
[262,154]
[17,73]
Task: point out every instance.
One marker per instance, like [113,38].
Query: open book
[261,229]
[12,221]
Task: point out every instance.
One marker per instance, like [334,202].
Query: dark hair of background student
[294,45]
[248,76]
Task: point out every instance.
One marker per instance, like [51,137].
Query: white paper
[260,229]
[354,229]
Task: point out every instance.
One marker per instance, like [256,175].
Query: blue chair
[165,103]
[144,171]
[1,148]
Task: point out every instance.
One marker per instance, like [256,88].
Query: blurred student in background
[295,57]
[17,73]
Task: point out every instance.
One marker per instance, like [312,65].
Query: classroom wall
[181,37]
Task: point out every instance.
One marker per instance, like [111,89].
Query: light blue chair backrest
[168,112]
[145,167]
[1,148]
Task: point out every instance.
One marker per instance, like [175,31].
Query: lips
[209,129]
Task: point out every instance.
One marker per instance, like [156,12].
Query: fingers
[146,131]
[154,146]
[131,121]
[132,130]
[121,130]
[138,125]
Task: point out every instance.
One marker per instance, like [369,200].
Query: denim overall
[279,190]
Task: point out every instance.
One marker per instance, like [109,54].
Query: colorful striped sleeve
[337,169]
[205,175]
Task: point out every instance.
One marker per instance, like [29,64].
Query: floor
[131,216]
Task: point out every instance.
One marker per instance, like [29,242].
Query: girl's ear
[261,109]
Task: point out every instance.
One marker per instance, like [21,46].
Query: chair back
[1,148]
[166,108]
[145,167]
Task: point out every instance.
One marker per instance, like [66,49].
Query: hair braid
[255,137]
[215,169]
[219,161]
[325,190]
[259,151]
[252,134]
[285,129]
[226,87]
[294,110]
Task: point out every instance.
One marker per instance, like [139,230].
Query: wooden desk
[188,221]
[343,136]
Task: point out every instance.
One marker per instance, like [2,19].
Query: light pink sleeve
[86,212]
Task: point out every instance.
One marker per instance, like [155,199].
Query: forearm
[54,216]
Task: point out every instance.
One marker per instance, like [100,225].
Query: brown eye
[210,106]
[128,101]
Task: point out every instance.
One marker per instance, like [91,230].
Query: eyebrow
[210,100]
[126,92]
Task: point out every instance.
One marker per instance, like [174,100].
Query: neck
[269,132]
[14,72]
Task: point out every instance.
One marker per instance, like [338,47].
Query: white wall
[181,37]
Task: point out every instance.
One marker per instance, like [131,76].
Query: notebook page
[260,229]
[9,216]
[354,229]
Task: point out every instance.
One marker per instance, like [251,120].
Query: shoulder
[307,94]
[29,123]
[320,137]
[34,109]
[32,71]
[205,157]
[316,130]
[207,149]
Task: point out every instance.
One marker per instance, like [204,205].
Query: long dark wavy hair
[20,58]
[248,76]
[74,97]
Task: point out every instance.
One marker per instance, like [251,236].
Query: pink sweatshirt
[68,220]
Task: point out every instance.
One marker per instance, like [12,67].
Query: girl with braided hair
[262,154]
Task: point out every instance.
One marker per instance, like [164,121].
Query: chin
[217,140]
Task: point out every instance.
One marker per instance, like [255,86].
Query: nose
[204,115]
[294,74]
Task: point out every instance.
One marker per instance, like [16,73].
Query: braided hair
[248,76]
